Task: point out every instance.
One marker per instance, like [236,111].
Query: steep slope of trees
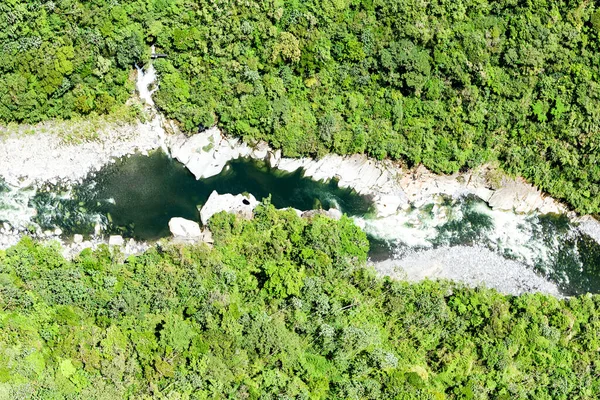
[449,84]
[281,307]
[64,58]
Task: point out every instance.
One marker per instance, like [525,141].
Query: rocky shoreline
[43,157]
[391,187]
[464,264]
[28,161]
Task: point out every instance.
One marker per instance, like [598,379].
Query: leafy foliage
[449,84]
[281,307]
[65,58]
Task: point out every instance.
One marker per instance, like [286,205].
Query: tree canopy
[449,84]
[281,307]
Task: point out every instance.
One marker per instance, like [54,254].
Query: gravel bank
[43,157]
[474,266]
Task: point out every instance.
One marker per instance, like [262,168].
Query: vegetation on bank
[449,84]
[281,307]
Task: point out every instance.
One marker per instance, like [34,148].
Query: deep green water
[137,196]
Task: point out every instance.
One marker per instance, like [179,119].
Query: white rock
[334,213]
[518,196]
[291,164]
[58,231]
[184,228]
[77,238]
[274,158]
[389,204]
[260,151]
[116,240]
[240,205]
[206,153]
[207,236]
[590,226]
[56,161]
[475,266]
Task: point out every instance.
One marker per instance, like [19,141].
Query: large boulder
[116,240]
[184,228]
[521,197]
[240,205]
[207,153]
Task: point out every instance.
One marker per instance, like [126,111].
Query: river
[136,196]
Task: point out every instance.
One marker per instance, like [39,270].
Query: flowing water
[548,244]
[136,197]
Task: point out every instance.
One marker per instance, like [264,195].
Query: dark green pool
[137,196]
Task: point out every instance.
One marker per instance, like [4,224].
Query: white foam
[145,79]
[14,206]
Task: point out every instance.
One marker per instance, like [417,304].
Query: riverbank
[41,155]
[475,266]
[410,206]
[392,187]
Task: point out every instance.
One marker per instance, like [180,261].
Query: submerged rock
[184,228]
[240,205]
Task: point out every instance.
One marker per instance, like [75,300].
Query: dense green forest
[449,84]
[282,307]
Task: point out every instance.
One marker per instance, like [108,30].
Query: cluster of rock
[71,247]
[26,160]
[79,243]
[391,187]
[475,266]
[8,236]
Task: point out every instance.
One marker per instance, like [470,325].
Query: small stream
[138,195]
